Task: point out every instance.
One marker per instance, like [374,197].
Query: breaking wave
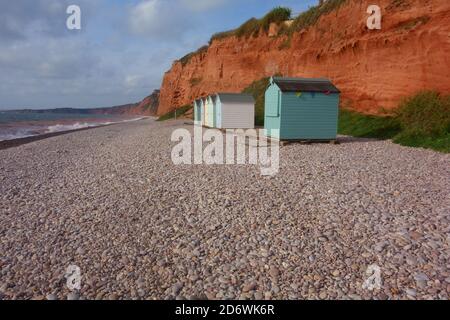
[35,130]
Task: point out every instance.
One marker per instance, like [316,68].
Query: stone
[411,292]
[51,297]
[176,288]
[258,295]
[249,286]
[73,296]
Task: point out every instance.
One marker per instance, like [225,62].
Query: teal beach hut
[301,109]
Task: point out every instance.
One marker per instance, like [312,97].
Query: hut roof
[305,85]
[236,98]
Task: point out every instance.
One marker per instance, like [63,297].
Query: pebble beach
[110,201]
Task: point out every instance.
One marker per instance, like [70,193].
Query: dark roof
[236,98]
[305,85]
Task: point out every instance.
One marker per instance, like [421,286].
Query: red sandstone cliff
[373,68]
[147,107]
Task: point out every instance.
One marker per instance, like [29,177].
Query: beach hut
[209,112]
[198,106]
[203,115]
[234,111]
[301,109]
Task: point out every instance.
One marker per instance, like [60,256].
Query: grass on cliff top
[313,14]
[185,60]
[422,120]
[253,26]
[171,115]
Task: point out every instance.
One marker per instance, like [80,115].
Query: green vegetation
[420,121]
[312,15]
[222,35]
[425,121]
[308,18]
[253,26]
[277,15]
[366,126]
[258,89]
[250,27]
[185,60]
[409,25]
[195,81]
[171,115]
[398,4]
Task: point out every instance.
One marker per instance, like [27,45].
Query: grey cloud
[25,19]
[42,67]
[159,19]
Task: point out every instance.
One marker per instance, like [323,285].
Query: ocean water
[14,125]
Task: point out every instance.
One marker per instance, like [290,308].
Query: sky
[120,54]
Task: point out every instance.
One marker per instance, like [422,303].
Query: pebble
[258,295]
[249,287]
[274,272]
[411,292]
[73,296]
[323,295]
[155,230]
[51,297]
[176,288]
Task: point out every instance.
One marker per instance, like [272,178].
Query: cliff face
[374,69]
[147,107]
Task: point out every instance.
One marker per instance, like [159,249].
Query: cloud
[160,19]
[20,20]
[202,5]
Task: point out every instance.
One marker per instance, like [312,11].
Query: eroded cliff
[374,69]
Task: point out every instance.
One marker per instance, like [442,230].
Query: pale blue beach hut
[198,105]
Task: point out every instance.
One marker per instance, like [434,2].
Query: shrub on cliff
[312,15]
[422,120]
[277,15]
[425,121]
[185,60]
[253,26]
[249,28]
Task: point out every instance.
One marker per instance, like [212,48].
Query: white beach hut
[234,111]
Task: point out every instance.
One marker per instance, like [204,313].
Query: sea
[20,124]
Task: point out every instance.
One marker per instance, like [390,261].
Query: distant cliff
[375,69]
[147,107]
